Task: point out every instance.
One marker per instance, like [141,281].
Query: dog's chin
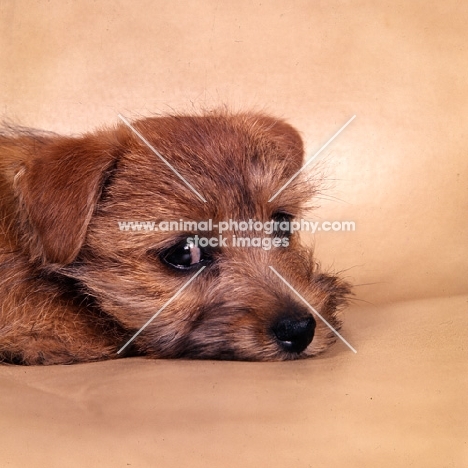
[317,348]
[314,349]
[270,352]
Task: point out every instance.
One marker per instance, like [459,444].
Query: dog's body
[75,288]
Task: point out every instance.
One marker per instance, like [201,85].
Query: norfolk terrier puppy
[79,285]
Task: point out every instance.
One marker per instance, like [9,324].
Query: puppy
[76,287]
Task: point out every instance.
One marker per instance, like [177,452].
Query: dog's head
[260,294]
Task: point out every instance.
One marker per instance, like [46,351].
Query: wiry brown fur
[75,288]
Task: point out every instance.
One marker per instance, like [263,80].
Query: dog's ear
[58,188]
[286,138]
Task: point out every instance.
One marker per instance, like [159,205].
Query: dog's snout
[294,334]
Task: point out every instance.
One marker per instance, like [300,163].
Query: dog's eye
[185,256]
[283,224]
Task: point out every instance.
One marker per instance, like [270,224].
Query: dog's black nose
[293,334]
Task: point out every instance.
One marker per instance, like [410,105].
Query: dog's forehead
[235,163]
[227,142]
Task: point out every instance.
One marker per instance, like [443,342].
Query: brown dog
[75,287]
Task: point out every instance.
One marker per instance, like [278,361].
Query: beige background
[399,171]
